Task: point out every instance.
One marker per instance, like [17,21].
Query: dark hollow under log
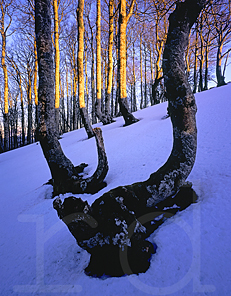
[75,183]
[115,228]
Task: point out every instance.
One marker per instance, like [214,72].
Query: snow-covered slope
[39,255]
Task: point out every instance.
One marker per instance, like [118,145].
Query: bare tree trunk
[65,176]
[83,110]
[57,62]
[220,77]
[141,75]
[145,77]
[29,101]
[123,20]
[195,61]
[98,110]
[114,229]
[5,75]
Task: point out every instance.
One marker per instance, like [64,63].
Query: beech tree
[6,15]
[83,110]
[122,60]
[221,13]
[115,227]
[65,177]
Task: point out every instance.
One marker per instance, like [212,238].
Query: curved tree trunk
[64,174]
[113,230]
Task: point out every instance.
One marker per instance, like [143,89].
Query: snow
[39,256]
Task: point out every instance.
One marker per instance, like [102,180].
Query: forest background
[207,60]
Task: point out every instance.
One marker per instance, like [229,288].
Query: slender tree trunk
[29,101]
[200,86]
[83,110]
[22,111]
[141,75]
[98,105]
[220,77]
[36,90]
[115,227]
[110,64]
[68,100]
[134,104]
[57,62]
[123,20]
[195,61]
[86,80]
[93,115]
[74,110]
[145,77]
[206,66]
[5,75]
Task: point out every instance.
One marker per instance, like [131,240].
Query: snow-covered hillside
[40,257]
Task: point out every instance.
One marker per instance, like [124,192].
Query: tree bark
[114,229]
[220,77]
[195,61]
[57,61]
[5,75]
[123,20]
[83,110]
[108,96]
[65,176]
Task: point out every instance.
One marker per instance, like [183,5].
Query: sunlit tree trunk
[200,86]
[29,102]
[74,109]
[5,76]
[141,74]
[57,61]
[83,110]
[68,99]
[36,90]
[134,103]
[145,76]
[98,60]
[195,60]
[123,21]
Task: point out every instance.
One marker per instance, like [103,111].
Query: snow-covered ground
[40,256]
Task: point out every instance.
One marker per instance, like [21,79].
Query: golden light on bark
[80,53]
[98,51]
[57,53]
[35,74]
[124,18]
[110,47]
[3,62]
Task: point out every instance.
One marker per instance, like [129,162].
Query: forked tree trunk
[113,230]
[64,174]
